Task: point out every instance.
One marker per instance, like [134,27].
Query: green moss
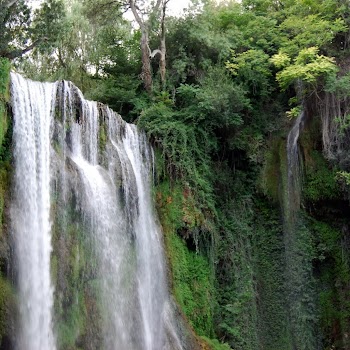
[215,344]
[191,272]
[169,203]
[7,302]
[320,179]
[7,294]
[334,267]
[319,182]
[270,175]
[5,173]
[54,268]
[192,284]
[4,95]
[102,139]
[270,267]
[5,135]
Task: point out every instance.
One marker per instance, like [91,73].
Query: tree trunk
[18,53]
[8,4]
[146,62]
[162,62]
[145,49]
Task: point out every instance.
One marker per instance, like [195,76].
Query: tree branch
[156,7]
[154,52]
[9,3]
[138,19]
[17,53]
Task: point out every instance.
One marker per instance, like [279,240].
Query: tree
[14,28]
[157,11]
[22,30]
[147,17]
[307,67]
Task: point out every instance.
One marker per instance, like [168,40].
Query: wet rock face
[184,335]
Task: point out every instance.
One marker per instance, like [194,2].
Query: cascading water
[293,166]
[30,210]
[298,265]
[95,170]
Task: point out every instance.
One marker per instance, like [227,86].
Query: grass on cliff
[4,95]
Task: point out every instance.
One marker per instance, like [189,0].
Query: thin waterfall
[30,210]
[294,167]
[151,272]
[98,178]
[299,282]
[291,207]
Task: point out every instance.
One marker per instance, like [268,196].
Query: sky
[175,7]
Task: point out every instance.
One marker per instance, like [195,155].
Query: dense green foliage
[192,275]
[246,267]
[4,96]
[7,306]
[7,292]
[5,139]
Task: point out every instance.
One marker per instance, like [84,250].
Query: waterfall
[299,281]
[83,180]
[294,167]
[30,210]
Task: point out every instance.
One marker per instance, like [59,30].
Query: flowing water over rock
[294,166]
[83,181]
[30,210]
[299,281]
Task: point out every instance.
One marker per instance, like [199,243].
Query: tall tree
[145,21]
[23,29]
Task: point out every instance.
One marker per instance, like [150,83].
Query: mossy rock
[270,177]
[7,309]
[214,344]
[320,180]
[4,95]
[192,284]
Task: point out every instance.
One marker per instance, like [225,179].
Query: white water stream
[294,166]
[32,103]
